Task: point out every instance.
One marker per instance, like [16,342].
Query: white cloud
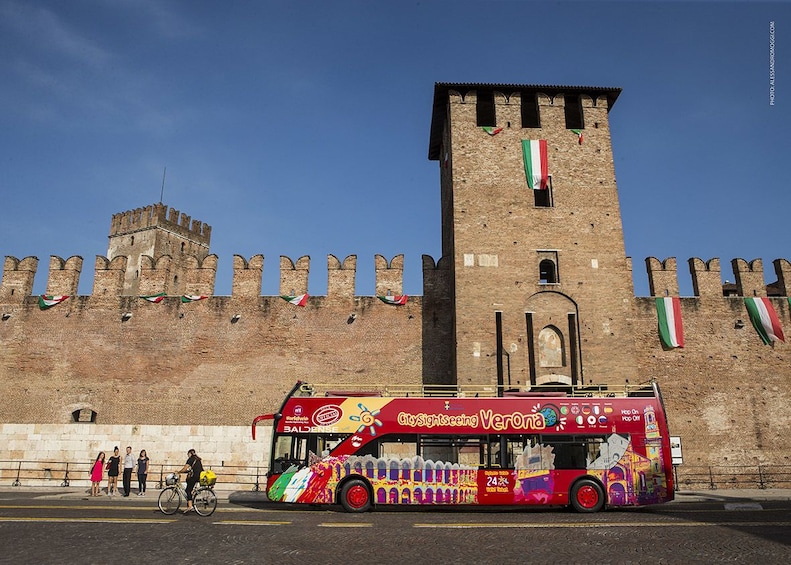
[42,29]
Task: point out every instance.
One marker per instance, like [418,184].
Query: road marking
[250,523]
[743,506]
[74,507]
[602,525]
[345,525]
[88,520]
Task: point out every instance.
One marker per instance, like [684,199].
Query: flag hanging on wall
[299,300]
[395,300]
[534,154]
[491,130]
[155,298]
[579,134]
[48,301]
[671,329]
[193,297]
[764,319]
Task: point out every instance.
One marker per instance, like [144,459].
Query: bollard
[256,487]
[65,482]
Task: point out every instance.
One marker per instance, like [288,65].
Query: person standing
[113,464]
[142,472]
[129,465]
[97,472]
[193,467]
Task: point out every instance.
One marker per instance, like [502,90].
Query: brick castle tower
[540,280]
[155,237]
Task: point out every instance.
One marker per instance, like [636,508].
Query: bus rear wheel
[587,496]
[356,496]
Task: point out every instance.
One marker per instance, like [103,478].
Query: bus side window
[496,445]
[569,452]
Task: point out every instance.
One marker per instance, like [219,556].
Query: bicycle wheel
[169,500]
[204,501]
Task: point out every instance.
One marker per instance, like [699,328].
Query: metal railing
[70,474]
[239,477]
[470,390]
[691,477]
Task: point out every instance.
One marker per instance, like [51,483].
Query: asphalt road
[40,529]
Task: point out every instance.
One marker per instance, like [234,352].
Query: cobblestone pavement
[710,527]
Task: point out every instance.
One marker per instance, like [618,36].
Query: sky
[299,127]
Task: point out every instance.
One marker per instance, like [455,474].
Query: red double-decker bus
[587,447]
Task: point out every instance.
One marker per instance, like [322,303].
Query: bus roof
[473,391]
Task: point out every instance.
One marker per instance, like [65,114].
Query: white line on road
[88,520]
[603,525]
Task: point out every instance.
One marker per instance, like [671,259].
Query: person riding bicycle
[193,467]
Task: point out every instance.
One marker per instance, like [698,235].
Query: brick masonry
[175,375]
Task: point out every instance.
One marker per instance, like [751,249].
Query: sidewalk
[78,493]
[246,496]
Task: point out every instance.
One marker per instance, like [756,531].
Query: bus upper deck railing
[472,391]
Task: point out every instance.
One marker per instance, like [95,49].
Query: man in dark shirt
[193,467]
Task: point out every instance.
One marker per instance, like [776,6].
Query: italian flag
[764,319]
[491,130]
[579,134]
[48,301]
[155,298]
[299,300]
[193,297]
[395,300]
[671,330]
[534,153]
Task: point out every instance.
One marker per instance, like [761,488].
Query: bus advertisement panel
[358,451]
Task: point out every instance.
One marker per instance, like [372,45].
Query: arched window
[547,272]
[551,352]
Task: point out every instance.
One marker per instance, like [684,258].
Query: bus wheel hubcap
[357,496]
[587,496]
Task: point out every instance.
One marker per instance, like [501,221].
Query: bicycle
[204,501]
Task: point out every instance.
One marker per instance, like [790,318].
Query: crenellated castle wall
[726,392]
[159,214]
[167,372]
[199,274]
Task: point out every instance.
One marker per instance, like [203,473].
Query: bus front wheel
[587,496]
[355,496]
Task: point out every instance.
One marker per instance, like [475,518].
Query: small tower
[531,224]
[155,231]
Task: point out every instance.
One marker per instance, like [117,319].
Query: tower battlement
[707,278]
[124,223]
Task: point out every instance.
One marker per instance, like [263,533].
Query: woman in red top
[97,472]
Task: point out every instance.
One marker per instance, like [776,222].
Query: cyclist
[193,467]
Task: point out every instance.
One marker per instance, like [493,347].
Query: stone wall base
[40,455]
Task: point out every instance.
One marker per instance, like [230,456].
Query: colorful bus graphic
[572,447]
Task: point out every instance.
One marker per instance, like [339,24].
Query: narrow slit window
[573,110]
[484,108]
[531,118]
